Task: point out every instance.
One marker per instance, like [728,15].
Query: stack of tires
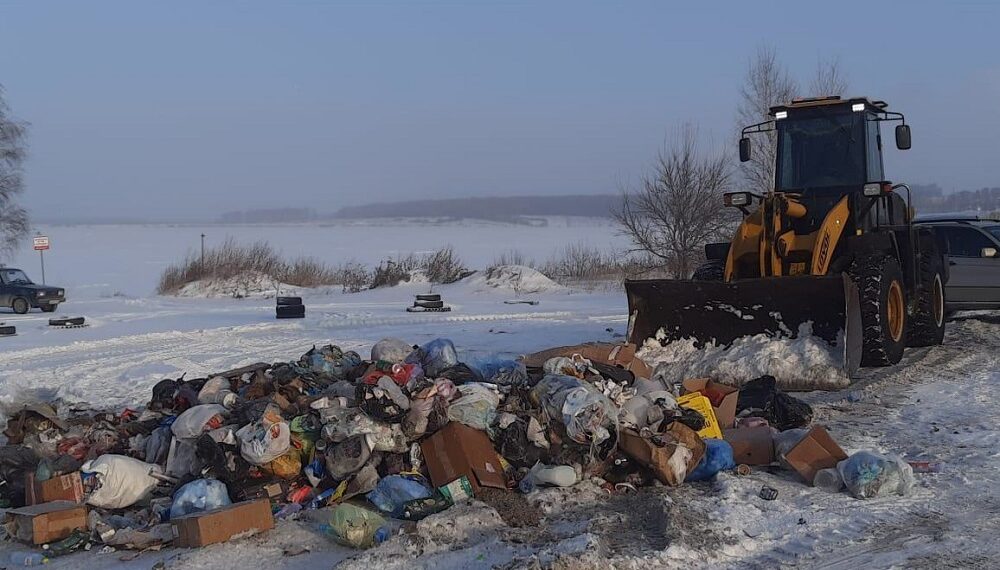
[290,308]
[428,303]
[7,330]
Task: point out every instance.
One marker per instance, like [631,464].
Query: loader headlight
[781,115]
[858,107]
[873,189]
[736,199]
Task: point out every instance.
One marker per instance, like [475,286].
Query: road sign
[41,243]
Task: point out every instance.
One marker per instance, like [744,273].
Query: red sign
[41,243]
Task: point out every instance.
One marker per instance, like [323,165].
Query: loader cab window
[874,151]
[822,151]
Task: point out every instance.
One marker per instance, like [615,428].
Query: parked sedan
[19,293]
[972,246]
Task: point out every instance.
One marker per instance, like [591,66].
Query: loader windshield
[821,151]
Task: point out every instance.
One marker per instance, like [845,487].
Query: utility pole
[202,252]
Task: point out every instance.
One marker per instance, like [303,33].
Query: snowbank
[801,363]
[517,278]
[249,284]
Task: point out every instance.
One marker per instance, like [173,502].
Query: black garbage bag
[692,419]
[460,374]
[15,462]
[761,398]
[615,373]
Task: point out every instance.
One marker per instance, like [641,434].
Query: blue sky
[187,109]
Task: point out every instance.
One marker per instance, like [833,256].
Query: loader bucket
[713,311]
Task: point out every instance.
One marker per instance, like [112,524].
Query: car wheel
[20,305]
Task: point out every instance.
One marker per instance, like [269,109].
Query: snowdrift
[517,278]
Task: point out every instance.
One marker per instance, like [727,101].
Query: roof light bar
[781,115]
[858,107]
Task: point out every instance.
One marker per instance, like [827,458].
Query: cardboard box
[725,412]
[219,525]
[67,487]
[622,355]
[751,446]
[816,451]
[456,450]
[659,458]
[270,490]
[47,522]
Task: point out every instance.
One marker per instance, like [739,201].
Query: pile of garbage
[399,436]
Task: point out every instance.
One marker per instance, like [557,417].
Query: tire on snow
[927,321]
[714,270]
[878,277]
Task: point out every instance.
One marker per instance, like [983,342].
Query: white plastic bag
[391,350]
[476,406]
[217,391]
[263,442]
[195,420]
[868,474]
[122,481]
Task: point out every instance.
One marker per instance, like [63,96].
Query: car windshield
[995,230]
[14,276]
[821,152]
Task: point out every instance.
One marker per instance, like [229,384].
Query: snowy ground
[937,405]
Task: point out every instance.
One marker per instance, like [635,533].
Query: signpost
[41,243]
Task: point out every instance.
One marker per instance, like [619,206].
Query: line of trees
[677,207]
[14,225]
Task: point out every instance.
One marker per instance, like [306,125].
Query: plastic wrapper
[331,361]
[435,356]
[265,440]
[356,527]
[718,457]
[588,416]
[119,481]
[198,496]
[867,474]
[197,420]
[475,407]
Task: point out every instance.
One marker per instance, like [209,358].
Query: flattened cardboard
[67,487]
[46,522]
[816,451]
[751,446]
[726,412]
[456,450]
[615,354]
[219,525]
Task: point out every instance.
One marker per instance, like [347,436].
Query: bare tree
[678,208]
[13,218]
[767,83]
[829,79]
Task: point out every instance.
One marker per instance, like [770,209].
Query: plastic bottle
[828,480]
[551,475]
[25,558]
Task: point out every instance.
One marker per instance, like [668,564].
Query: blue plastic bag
[501,371]
[393,492]
[199,495]
[718,457]
[435,357]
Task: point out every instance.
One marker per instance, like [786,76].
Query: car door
[5,297]
[974,278]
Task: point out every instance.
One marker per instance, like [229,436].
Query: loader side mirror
[988,252]
[744,149]
[903,137]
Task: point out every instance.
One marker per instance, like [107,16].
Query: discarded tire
[429,297]
[429,304]
[8,331]
[66,321]
[290,312]
[289,301]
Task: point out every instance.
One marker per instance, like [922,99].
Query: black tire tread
[871,274]
[924,331]
[429,304]
[713,270]
[429,297]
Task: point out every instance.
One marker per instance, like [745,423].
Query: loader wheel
[710,271]
[927,322]
[883,309]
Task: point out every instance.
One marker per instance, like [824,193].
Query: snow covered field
[937,405]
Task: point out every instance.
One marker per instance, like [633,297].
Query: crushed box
[725,412]
[615,354]
[46,522]
[219,525]
[67,487]
[815,451]
[456,450]
[751,446]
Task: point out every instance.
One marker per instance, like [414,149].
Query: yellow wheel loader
[832,247]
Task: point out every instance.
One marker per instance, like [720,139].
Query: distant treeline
[928,198]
